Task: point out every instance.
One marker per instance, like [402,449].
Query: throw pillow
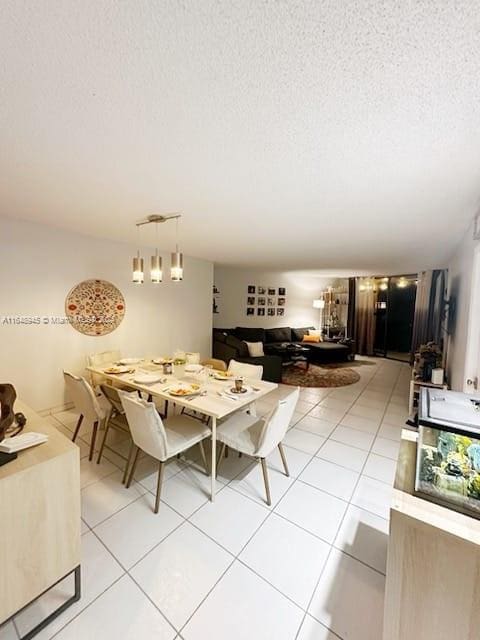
[309,338]
[255,349]
[315,332]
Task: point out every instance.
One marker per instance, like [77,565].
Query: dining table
[214,398]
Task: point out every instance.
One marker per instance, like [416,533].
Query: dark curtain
[429,308]
[351,309]
[365,298]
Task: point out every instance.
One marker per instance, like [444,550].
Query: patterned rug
[328,376]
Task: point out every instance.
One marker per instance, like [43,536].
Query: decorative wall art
[272,297]
[95,307]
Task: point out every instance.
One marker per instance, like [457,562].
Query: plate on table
[116,370]
[162,360]
[148,378]
[130,360]
[193,368]
[222,375]
[242,390]
[181,391]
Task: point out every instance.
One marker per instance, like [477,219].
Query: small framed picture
[261,301]
[262,291]
[251,288]
[271,312]
[281,302]
[271,291]
[260,311]
[280,312]
[251,301]
[282,291]
[271,302]
[250,311]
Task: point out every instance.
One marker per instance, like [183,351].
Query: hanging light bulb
[137,276]
[138,269]
[156,262]
[176,269]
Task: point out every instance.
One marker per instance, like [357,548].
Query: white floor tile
[188,490]
[349,599]
[380,468]
[363,411]
[296,460]
[364,536]
[330,415]
[329,477]
[384,447]
[338,404]
[7,632]
[251,484]
[374,496]
[311,629]
[353,437]
[136,529]
[390,432]
[83,527]
[233,465]
[123,612]
[242,606]
[146,472]
[107,496]
[303,440]
[180,572]
[314,510]
[316,425]
[99,570]
[361,424]
[91,471]
[231,520]
[342,454]
[295,573]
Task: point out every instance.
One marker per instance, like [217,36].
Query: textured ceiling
[292,134]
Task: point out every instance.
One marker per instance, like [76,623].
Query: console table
[432,586]
[39,520]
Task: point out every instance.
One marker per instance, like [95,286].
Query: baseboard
[52,410]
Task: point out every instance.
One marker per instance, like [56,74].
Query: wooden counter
[433,567]
[39,517]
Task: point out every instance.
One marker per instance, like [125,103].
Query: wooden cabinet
[39,517]
[433,568]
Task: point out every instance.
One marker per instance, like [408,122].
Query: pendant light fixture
[176,269]
[156,262]
[156,271]
[137,275]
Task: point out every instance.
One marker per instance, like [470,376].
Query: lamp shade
[319,303]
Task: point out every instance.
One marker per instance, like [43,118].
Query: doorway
[394,315]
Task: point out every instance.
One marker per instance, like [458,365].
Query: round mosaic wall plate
[95,307]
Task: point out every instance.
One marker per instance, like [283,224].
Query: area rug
[319,376]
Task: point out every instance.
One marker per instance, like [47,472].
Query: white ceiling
[293,134]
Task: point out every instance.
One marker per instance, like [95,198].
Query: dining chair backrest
[215,363]
[83,397]
[146,426]
[113,398]
[99,360]
[276,424]
[252,371]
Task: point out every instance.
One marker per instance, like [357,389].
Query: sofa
[231,344]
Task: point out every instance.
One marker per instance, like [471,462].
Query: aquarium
[448,450]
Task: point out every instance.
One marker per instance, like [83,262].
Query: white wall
[38,267]
[460,272]
[301,291]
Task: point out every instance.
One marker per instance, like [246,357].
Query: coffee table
[290,353]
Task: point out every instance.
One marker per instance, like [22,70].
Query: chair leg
[204,457]
[159,486]
[265,479]
[104,439]
[221,454]
[92,441]
[77,428]
[127,464]
[132,470]
[284,459]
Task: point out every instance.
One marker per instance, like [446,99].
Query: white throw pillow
[255,349]
[315,332]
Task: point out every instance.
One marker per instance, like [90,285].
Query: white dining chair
[116,420]
[99,360]
[87,404]
[258,438]
[160,439]
[245,370]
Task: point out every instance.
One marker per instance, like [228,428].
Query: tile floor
[311,567]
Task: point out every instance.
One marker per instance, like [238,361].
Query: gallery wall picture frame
[261,291]
[271,302]
[251,301]
[272,291]
[261,301]
[280,311]
[250,311]
[281,302]
[271,311]
[251,288]
[282,291]
[260,311]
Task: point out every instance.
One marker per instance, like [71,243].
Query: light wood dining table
[211,402]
